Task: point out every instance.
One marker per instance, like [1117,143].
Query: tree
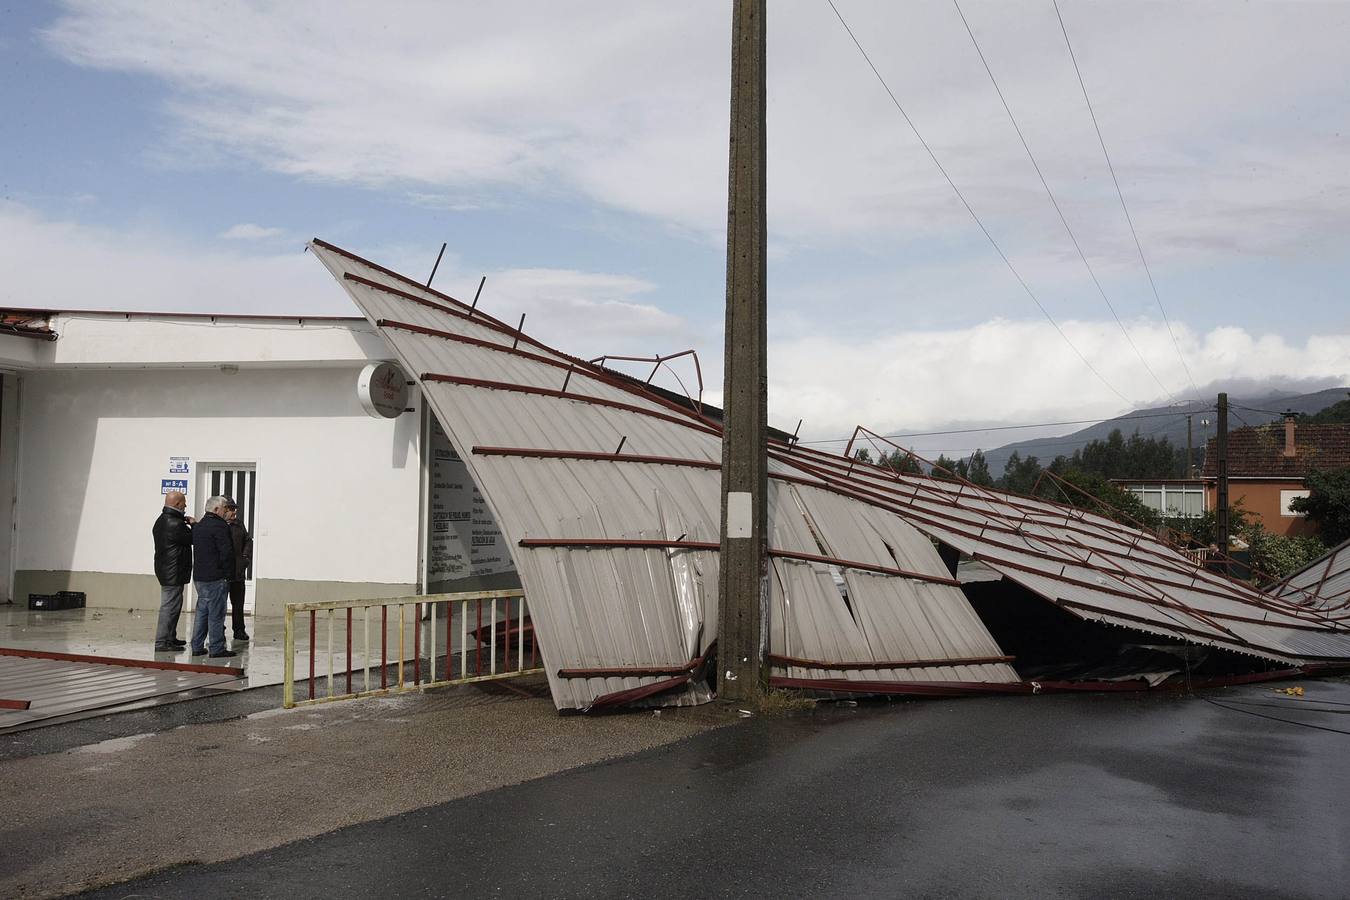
[1135,457]
[1278,554]
[1110,501]
[1019,475]
[945,469]
[863,455]
[902,462]
[977,470]
[1327,504]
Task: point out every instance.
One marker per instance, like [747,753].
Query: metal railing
[485,637]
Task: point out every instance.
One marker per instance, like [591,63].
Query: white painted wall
[113,341]
[337,490]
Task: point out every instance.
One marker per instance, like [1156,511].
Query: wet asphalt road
[1065,796]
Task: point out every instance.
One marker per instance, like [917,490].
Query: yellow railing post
[288,679]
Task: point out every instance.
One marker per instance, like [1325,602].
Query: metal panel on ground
[60,687]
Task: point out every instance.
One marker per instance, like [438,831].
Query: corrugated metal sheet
[60,687]
[617,548]
[1323,584]
[1097,568]
[605,602]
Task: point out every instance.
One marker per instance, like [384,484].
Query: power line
[1012,427]
[1055,203]
[960,196]
[1121,195]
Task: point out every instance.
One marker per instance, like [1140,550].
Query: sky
[161,156]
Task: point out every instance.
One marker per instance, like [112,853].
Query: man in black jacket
[243,556]
[212,569]
[172,532]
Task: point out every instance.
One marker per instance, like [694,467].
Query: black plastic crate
[59,600]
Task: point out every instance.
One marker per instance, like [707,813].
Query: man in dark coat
[172,532]
[243,558]
[212,569]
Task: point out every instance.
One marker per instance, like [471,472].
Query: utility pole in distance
[1190,465]
[743,582]
[1221,504]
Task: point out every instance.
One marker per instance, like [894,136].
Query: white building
[100,413]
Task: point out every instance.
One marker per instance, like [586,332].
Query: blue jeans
[210,614]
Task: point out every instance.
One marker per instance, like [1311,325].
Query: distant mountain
[1170,422]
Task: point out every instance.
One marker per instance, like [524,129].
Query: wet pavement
[1053,796]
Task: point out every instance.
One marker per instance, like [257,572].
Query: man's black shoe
[165,648]
[241,638]
[201,652]
[177,643]
[223,653]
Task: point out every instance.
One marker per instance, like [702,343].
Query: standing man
[172,532]
[243,558]
[213,567]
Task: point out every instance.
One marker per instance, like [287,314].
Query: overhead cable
[960,196]
[1013,427]
[1121,195]
[1055,203]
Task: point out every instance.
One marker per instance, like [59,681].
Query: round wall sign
[383,390]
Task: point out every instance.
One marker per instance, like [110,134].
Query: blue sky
[177,156]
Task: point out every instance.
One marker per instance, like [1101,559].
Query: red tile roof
[1259,451]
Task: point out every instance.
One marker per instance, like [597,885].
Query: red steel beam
[122,661]
[636,543]
[794,662]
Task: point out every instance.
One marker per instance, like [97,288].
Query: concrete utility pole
[742,627]
[1221,504]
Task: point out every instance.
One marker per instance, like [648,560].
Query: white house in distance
[101,413]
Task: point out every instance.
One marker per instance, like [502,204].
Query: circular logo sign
[382,390]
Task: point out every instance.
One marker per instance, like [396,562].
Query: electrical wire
[1013,427]
[1121,195]
[1248,712]
[964,202]
[1055,203]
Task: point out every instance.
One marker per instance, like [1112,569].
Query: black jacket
[213,549]
[243,549]
[173,548]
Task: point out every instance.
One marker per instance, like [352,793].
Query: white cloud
[1222,126]
[247,231]
[146,270]
[1005,371]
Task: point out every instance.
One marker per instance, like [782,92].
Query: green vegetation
[1328,504]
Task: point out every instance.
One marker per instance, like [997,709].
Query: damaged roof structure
[609,495]
[1323,584]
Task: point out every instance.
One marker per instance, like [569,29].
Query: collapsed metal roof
[1323,584]
[609,496]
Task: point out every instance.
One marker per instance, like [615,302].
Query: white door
[238,481]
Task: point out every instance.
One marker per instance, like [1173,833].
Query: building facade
[1267,465]
[101,413]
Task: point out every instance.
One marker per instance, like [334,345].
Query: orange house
[1266,467]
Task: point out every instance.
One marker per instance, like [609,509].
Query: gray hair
[214,504]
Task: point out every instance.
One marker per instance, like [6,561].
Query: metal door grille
[241,484]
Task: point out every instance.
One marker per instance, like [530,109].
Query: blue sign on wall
[173,484]
[178,465]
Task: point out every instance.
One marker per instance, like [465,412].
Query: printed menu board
[463,540]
